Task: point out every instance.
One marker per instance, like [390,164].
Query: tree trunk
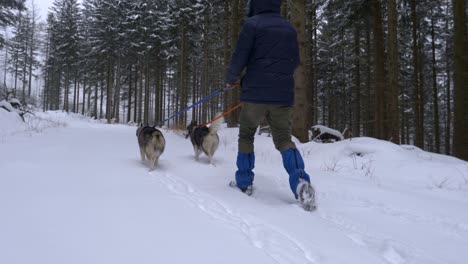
[84,97]
[242,13]
[448,126]
[300,120]
[157,87]
[31,49]
[135,105]
[314,65]
[67,91]
[140,93]
[284,9]
[379,72]
[74,95]
[129,104]
[194,86]
[16,73]
[109,97]
[393,71]
[226,51]
[24,66]
[357,88]
[435,92]
[183,76]
[369,124]
[116,84]
[102,100]
[162,92]
[96,100]
[419,116]
[460,139]
[6,58]
[90,91]
[311,24]
[233,118]
[147,92]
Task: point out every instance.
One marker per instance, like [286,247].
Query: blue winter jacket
[268,48]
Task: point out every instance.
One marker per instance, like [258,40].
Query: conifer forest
[395,70]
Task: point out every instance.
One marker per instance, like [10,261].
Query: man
[267,47]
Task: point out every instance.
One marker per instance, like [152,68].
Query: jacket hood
[264,6]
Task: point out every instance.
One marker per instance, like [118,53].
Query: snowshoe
[248,190]
[306,195]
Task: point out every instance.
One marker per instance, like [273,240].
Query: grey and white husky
[152,143]
[205,139]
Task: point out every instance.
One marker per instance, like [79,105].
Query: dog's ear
[192,124]
[140,124]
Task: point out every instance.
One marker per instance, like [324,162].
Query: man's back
[268,48]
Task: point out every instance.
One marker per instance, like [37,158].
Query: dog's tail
[158,135]
[214,127]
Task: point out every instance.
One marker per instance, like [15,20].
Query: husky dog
[151,142]
[205,139]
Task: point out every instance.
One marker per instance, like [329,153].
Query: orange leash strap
[224,114]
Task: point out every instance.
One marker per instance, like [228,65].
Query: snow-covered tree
[8,14]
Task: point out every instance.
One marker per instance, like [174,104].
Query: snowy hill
[75,191]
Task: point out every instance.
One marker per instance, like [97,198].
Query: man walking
[267,47]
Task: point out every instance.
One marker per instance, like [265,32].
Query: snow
[75,191]
[7,105]
[15,101]
[10,122]
[324,129]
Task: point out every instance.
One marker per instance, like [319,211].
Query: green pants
[277,116]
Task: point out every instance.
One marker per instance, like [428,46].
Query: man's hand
[230,86]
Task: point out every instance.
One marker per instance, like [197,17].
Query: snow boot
[299,180]
[248,190]
[244,174]
[306,195]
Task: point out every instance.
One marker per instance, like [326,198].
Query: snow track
[391,251]
[79,194]
[280,247]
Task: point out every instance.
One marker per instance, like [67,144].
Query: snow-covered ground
[74,191]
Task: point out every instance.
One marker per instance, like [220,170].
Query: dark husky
[152,143]
[204,139]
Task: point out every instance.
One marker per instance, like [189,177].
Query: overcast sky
[43,6]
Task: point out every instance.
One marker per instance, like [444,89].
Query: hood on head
[264,6]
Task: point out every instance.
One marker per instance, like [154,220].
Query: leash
[224,114]
[195,104]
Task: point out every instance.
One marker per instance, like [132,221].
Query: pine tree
[366,64]
[18,50]
[8,14]
[65,47]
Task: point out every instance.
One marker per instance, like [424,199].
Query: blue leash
[192,106]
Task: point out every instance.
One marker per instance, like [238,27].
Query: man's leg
[279,118]
[250,117]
